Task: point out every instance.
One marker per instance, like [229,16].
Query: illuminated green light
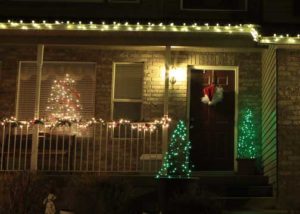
[248,146]
[176,162]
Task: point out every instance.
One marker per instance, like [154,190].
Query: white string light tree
[63,104]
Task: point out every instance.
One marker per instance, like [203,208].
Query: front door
[212,126]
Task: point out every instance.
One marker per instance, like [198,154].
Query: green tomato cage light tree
[247,142]
[176,162]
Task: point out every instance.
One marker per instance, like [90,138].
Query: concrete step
[249,203]
[250,191]
[240,180]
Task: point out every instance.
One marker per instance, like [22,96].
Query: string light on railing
[123,121]
[112,125]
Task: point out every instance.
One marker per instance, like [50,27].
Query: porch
[95,70]
[162,64]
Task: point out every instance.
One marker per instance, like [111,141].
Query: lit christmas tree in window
[176,162]
[63,103]
[247,143]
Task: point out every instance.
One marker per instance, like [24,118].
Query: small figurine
[49,202]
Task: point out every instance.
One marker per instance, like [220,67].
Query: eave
[243,35]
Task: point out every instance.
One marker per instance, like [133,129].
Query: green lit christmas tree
[176,162]
[247,142]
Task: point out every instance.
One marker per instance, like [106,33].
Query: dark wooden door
[212,127]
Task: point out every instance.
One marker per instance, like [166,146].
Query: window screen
[128,91]
[82,73]
[26,90]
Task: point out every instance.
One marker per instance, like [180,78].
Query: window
[83,73]
[0,70]
[296,7]
[124,1]
[221,5]
[81,1]
[127,91]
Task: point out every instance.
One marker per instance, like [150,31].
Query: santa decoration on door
[212,94]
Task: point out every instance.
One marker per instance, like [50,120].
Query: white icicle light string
[126,26]
[249,29]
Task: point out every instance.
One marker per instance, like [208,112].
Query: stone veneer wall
[288,108]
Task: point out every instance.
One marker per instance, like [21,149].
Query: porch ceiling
[205,39]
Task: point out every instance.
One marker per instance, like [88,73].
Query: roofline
[17,28]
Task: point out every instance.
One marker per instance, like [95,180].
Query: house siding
[269,118]
[289,127]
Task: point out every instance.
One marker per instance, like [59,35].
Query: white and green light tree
[176,162]
[63,103]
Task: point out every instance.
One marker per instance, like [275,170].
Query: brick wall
[153,83]
[289,127]
[9,58]
[249,76]
[249,64]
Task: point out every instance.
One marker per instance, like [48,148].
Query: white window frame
[45,62]
[113,100]
[216,10]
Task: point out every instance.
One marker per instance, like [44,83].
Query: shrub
[23,193]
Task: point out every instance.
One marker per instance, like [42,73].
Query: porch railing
[96,147]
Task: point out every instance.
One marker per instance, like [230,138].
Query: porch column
[35,136]
[166,97]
